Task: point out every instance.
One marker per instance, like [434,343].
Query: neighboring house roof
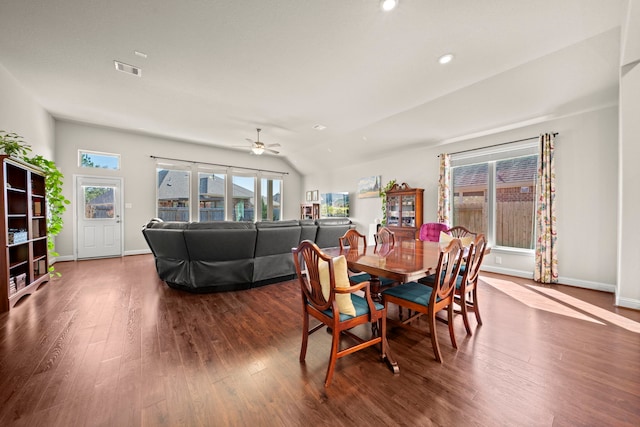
[173,185]
[511,171]
[104,198]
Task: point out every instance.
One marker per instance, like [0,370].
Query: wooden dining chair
[459,231]
[328,297]
[384,236]
[466,291]
[353,240]
[429,300]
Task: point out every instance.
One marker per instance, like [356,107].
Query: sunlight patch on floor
[534,299]
[601,313]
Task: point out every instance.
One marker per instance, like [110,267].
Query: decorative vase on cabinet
[404,210]
[23,231]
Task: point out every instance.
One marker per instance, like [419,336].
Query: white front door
[99,232]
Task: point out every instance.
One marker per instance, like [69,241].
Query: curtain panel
[444,193]
[546,260]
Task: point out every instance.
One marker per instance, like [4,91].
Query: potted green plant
[14,145]
[383,197]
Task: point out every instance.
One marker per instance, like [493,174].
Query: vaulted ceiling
[216,70]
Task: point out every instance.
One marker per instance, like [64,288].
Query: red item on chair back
[430,232]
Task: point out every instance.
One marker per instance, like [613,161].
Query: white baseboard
[507,271]
[628,303]
[61,258]
[596,286]
[586,284]
[137,252]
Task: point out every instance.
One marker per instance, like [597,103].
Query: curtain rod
[218,164]
[497,145]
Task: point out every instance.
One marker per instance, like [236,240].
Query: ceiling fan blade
[250,140]
[271,151]
[273,145]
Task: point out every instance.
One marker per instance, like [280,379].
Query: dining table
[405,261]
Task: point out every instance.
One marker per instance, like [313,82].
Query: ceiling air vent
[126,68]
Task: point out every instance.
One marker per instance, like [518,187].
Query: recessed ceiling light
[319,127]
[445,59]
[126,68]
[388,5]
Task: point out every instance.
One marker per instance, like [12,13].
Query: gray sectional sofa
[224,255]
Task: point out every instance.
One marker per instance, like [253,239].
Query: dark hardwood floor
[109,344]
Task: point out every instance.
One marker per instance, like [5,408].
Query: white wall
[138,171]
[628,290]
[20,113]
[586,174]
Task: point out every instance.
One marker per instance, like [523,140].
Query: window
[211,196]
[173,194]
[200,192]
[93,159]
[494,194]
[98,202]
[244,190]
[270,197]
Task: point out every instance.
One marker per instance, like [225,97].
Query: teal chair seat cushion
[412,291]
[463,268]
[360,304]
[430,279]
[365,277]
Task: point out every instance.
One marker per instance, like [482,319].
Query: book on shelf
[12,286]
[37,208]
[41,267]
[21,281]
[35,228]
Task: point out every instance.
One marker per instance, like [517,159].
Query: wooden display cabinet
[404,210]
[23,231]
[310,211]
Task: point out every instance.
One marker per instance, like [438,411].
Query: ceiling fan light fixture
[388,5]
[445,59]
[257,150]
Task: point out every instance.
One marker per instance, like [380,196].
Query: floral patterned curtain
[444,202]
[546,268]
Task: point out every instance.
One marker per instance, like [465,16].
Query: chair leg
[382,332]
[434,336]
[465,312]
[450,322]
[335,344]
[475,305]
[305,336]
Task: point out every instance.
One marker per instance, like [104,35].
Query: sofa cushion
[333,221]
[309,230]
[222,225]
[278,224]
[330,230]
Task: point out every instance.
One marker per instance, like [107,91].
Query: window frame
[196,169]
[491,156]
[175,167]
[116,156]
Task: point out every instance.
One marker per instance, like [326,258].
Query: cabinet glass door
[393,210]
[409,211]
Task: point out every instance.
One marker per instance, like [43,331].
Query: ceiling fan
[258,147]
